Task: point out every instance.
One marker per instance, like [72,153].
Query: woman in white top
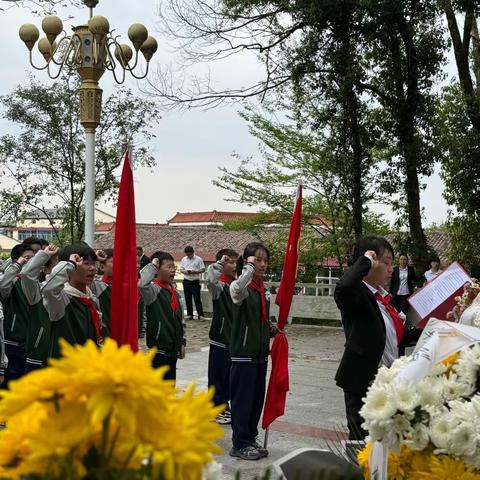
[434,271]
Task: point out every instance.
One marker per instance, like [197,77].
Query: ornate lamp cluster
[90,50]
[91,46]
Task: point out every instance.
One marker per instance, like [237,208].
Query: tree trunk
[350,101]
[461,49]
[406,108]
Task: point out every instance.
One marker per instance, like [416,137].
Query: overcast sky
[190,145]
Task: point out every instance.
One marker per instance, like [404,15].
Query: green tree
[406,49]
[336,61]
[43,166]
[461,174]
[291,156]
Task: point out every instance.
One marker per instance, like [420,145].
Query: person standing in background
[402,284]
[191,266]
[434,270]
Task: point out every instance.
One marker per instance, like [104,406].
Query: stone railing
[306,303]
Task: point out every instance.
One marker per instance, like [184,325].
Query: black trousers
[16,364]
[247,392]
[160,360]
[353,404]
[219,374]
[400,303]
[191,288]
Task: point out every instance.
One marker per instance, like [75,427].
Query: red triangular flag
[278,384]
[124,307]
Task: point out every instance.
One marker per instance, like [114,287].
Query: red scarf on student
[169,288]
[226,279]
[107,280]
[94,315]
[397,321]
[260,288]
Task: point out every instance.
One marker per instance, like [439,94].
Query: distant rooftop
[210,217]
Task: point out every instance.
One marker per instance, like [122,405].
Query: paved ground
[315,410]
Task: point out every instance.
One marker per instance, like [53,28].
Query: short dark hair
[226,251]
[188,249]
[250,251]
[162,256]
[80,248]
[109,253]
[35,241]
[18,250]
[371,242]
[433,258]
[140,249]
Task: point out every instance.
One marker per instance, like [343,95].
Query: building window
[44,234]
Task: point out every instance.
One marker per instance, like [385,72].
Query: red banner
[124,307]
[278,384]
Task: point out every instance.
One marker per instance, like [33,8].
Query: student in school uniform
[16,313]
[249,349]
[34,274]
[72,308]
[219,277]
[165,322]
[102,288]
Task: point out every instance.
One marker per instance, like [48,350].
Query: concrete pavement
[315,408]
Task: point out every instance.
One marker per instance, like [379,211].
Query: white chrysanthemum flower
[440,431]
[463,440]
[430,393]
[420,437]
[376,431]
[379,404]
[384,376]
[453,388]
[406,396]
[401,424]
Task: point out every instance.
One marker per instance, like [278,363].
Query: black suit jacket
[364,329]
[395,281]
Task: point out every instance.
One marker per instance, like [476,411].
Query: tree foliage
[291,156]
[39,7]
[43,166]
[360,72]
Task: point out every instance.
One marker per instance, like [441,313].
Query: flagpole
[265,440]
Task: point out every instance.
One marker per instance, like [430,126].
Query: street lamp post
[90,50]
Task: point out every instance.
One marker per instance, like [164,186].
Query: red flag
[124,307]
[278,384]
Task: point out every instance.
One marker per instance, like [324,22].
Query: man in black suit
[373,328]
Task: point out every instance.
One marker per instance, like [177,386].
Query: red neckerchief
[107,280]
[94,316]
[226,279]
[260,288]
[169,288]
[397,321]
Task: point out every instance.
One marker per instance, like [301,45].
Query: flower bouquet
[431,428]
[470,292]
[105,414]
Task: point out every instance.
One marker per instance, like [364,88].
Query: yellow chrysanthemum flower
[188,441]
[110,400]
[446,468]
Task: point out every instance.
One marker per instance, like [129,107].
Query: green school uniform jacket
[221,325]
[16,309]
[250,338]
[165,329]
[38,324]
[103,292]
[70,319]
